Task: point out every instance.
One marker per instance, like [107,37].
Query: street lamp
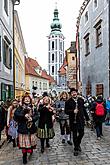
[15,2]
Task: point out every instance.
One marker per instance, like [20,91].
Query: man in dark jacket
[74,107]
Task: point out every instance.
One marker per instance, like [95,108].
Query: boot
[47,143]
[68,139]
[24,158]
[42,145]
[63,138]
[14,143]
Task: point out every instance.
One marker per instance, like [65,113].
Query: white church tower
[55,48]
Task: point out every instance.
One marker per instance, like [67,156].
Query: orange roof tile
[30,65]
[62,70]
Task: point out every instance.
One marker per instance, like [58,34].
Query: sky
[36,17]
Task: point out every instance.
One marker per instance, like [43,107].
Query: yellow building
[19,58]
[71,66]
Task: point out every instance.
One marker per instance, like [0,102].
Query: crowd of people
[28,120]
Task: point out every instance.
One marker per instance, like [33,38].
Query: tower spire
[56,26]
[55,5]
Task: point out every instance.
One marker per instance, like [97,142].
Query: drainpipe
[109,40]
[15,2]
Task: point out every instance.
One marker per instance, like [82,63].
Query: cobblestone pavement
[94,152]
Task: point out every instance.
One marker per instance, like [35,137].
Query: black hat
[73,89]
[45,94]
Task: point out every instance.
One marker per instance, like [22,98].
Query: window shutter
[0,48]
[11,92]
[3,92]
[10,62]
[4,52]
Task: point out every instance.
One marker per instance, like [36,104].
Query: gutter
[109,40]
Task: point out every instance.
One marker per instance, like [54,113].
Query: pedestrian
[11,123]
[107,120]
[45,129]
[99,113]
[3,114]
[63,118]
[74,107]
[26,117]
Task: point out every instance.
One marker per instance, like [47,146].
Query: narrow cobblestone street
[93,152]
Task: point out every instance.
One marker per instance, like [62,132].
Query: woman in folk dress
[45,126]
[26,117]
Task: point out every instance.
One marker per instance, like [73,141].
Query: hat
[45,94]
[73,89]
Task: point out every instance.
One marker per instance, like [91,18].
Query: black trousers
[64,127]
[42,142]
[78,133]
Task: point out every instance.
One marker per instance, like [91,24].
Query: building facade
[20,52]
[6,49]
[35,79]
[93,26]
[55,48]
[71,66]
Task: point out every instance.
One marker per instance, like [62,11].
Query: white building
[37,82]
[6,49]
[55,48]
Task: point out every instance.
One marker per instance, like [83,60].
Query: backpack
[100,111]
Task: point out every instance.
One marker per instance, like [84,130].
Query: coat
[59,105]
[98,119]
[19,116]
[70,106]
[3,116]
[45,117]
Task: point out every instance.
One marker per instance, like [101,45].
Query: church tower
[55,47]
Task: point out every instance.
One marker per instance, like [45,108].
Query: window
[86,16]
[87,46]
[95,3]
[32,83]
[98,29]
[7,53]
[36,83]
[52,45]
[52,57]
[52,69]
[98,34]
[40,85]
[6,6]
[74,76]
[44,86]
[73,58]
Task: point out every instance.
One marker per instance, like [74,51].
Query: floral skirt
[45,133]
[27,141]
